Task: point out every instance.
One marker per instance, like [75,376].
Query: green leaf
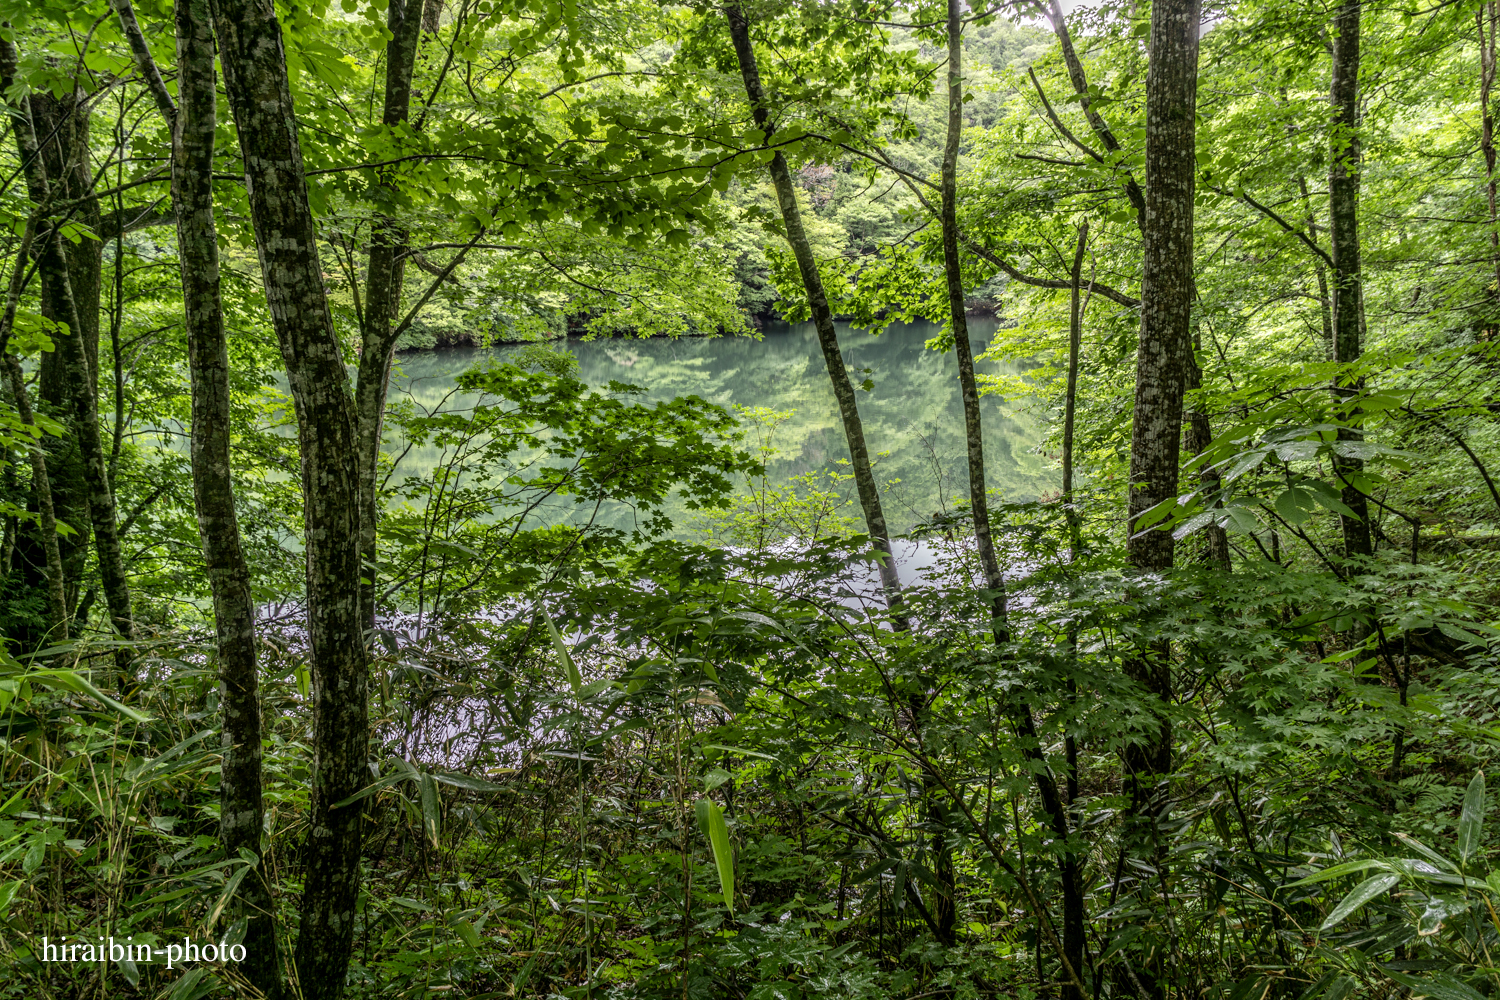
[1471,818]
[370,789]
[34,855]
[569,666]
[711,822]
[1155,513]
[472,784]
[1438,985]
[71,680]
[431,806]
[1340,988]
[1292,505]
[1426,851]
[229,887]
[467,932]
[1327,496]
[191,985]
[1335,871]
[1362,894]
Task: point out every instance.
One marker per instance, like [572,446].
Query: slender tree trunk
[57,601]
[1053,806]
[41,483]
[959,322]
[1489,10]
[1325,307]
[383,281]
[1070,865]
[60,120]
[1053,12]
[1343,228]
[241,811]
[141,53]
[255,79]
[1070,402]
[1199,434]
[57,289]
[817,299]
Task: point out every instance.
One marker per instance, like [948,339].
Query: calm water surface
[913,416]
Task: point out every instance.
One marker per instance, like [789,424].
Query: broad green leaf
[467,932]
[228,893]
[471,784]
[431,806]
[1471,819]
[711,822]
[191,985]
[1293,504]
[1362,894]
[34,855]
[1335,871]
[1438,985]
[382,782]
[1426,851]
[71,680]
[569,667]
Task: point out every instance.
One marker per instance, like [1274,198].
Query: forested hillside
[587,701]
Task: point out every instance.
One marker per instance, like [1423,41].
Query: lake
[913,416]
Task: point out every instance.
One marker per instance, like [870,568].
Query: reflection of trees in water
[913,416]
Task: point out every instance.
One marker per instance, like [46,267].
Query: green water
[913,416]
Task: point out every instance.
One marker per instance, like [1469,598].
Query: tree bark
[1489,9]
[1348,291]
[1165,352]
[65,123]
[1164,360]
[1054,14]
[1325,307]
[57,289]
[1053,806]
[1200,433]
[383,281]
[141,53]
[255,79]
[41,483]
[817,299]
[959,323]
[57,601]
[1070,401]
[241,809]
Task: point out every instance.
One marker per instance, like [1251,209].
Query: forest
[546,684]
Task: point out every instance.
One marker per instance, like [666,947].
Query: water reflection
[912,413]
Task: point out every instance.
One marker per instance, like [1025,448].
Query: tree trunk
[1070,402]
[1343,228]
[1053,12]
[383,281]
[66,125]
[1325,308]
[41,483]
[1163,363]
[1215,540]
[1489,9]
[241,812]
[255,79]
[959,323]
[1053,806]
[57,289]
[57,601]
[817,299]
